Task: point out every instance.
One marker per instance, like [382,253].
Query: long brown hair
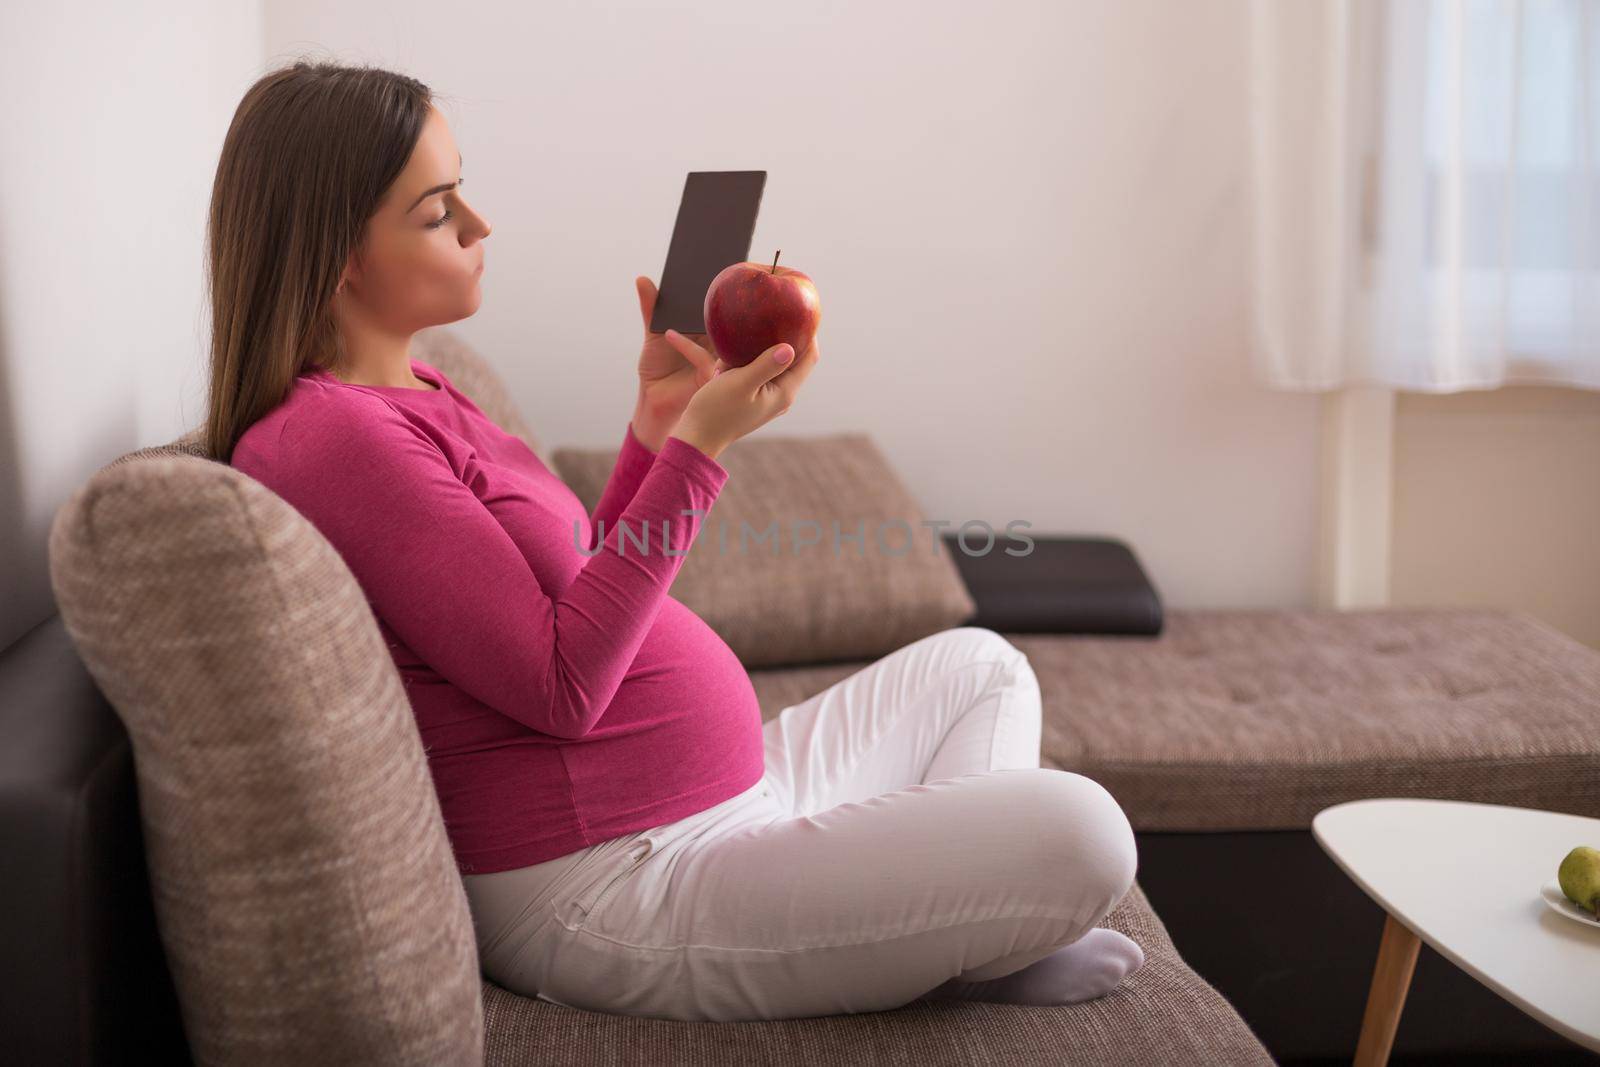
[308,156]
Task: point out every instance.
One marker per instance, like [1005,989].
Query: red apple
[750,307]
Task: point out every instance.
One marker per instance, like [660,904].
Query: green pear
[1580,877]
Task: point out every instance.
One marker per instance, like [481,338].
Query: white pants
[903,834]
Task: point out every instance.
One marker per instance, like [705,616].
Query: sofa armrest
[1091,585]
[83,977]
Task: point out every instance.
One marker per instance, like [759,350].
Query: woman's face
[422,253]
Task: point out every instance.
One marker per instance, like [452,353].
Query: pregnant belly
[684,720]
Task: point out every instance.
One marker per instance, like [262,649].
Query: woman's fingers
[782,387]
[647,300]
[705,365]
[796,373]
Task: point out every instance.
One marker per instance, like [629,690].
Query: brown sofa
[311,910]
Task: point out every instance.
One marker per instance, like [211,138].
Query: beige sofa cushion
[778,601]
[1257,719]
[1163,1013]
[304,887]
[468,371]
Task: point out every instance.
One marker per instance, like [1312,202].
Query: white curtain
[1424,189]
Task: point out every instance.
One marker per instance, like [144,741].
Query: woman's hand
[742,399]
[672,367]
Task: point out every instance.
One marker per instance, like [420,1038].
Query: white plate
[1553,896]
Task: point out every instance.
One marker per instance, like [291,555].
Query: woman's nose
[482,222]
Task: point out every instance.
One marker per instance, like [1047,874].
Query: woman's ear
[352,271]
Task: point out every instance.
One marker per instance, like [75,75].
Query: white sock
[1090,967]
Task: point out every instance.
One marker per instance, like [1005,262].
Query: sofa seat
[1258,719]
[1226,733]
[1163,1013]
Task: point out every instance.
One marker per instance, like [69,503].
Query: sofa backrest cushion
[814,551]
[468,371]
[307,898]
[437,346]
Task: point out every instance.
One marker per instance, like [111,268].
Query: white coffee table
[1465,878]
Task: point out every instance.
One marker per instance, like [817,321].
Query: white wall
[1495,502]
[1026,221]
[112,124]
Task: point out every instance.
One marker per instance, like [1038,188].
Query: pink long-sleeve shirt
[563,697]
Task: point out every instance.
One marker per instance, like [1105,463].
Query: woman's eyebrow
[445,188]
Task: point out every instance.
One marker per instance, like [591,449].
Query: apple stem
[774,269]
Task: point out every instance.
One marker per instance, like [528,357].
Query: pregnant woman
[631,836]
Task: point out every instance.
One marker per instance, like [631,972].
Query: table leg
[1397,956]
